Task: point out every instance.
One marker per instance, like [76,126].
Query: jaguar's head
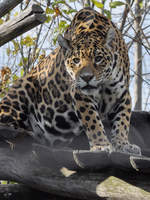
[89,61]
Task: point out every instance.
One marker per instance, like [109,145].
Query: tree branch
[27,20]
[6,6]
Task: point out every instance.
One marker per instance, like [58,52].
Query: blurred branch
[65,17]
[40,45]
[68,5]
[36,45]
[139,75]
[125,15]
[7,5]
[147,98]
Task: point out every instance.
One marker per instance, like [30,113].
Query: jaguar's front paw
[130,149]
[102,148]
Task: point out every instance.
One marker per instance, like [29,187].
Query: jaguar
[70,92]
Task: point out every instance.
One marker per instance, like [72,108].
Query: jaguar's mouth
[88,87]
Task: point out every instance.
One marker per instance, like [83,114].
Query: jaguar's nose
[87,78]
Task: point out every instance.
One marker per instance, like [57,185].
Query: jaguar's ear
[63,42]
[110,37]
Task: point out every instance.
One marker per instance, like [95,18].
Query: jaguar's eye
[76,60]
[98,59]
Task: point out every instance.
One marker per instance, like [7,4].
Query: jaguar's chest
[108,97]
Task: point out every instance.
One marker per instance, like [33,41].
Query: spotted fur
[82,82]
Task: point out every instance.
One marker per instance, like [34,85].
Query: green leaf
[108,13]
[141,4]
[62,24]
[25,60]
[48,19]
[16,14]
[58,2]
[27,41]
[49,11]
[55,40]
[97,4]
[4,182]
[1,21]
[15,77]
[22,72]
[69,11]
[8,51]
[114,4]
[21,63]
[16,47]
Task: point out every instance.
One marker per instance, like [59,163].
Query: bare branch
[124,16]
[139,75]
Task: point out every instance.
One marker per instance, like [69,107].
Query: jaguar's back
[41,101]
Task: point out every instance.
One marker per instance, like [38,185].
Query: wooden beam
[26,20]
[20,191]
[39,170]
[7,5]
[63,172]
[15,191]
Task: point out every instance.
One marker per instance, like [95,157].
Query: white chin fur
[89,91]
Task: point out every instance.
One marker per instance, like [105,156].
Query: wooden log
[26,165]
[42,168]
[6,6]
[15,191]
[20,191]
[25,21]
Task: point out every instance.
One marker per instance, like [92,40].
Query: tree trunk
[138,59]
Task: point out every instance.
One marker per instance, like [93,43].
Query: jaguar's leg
[120,118]
[89,117]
